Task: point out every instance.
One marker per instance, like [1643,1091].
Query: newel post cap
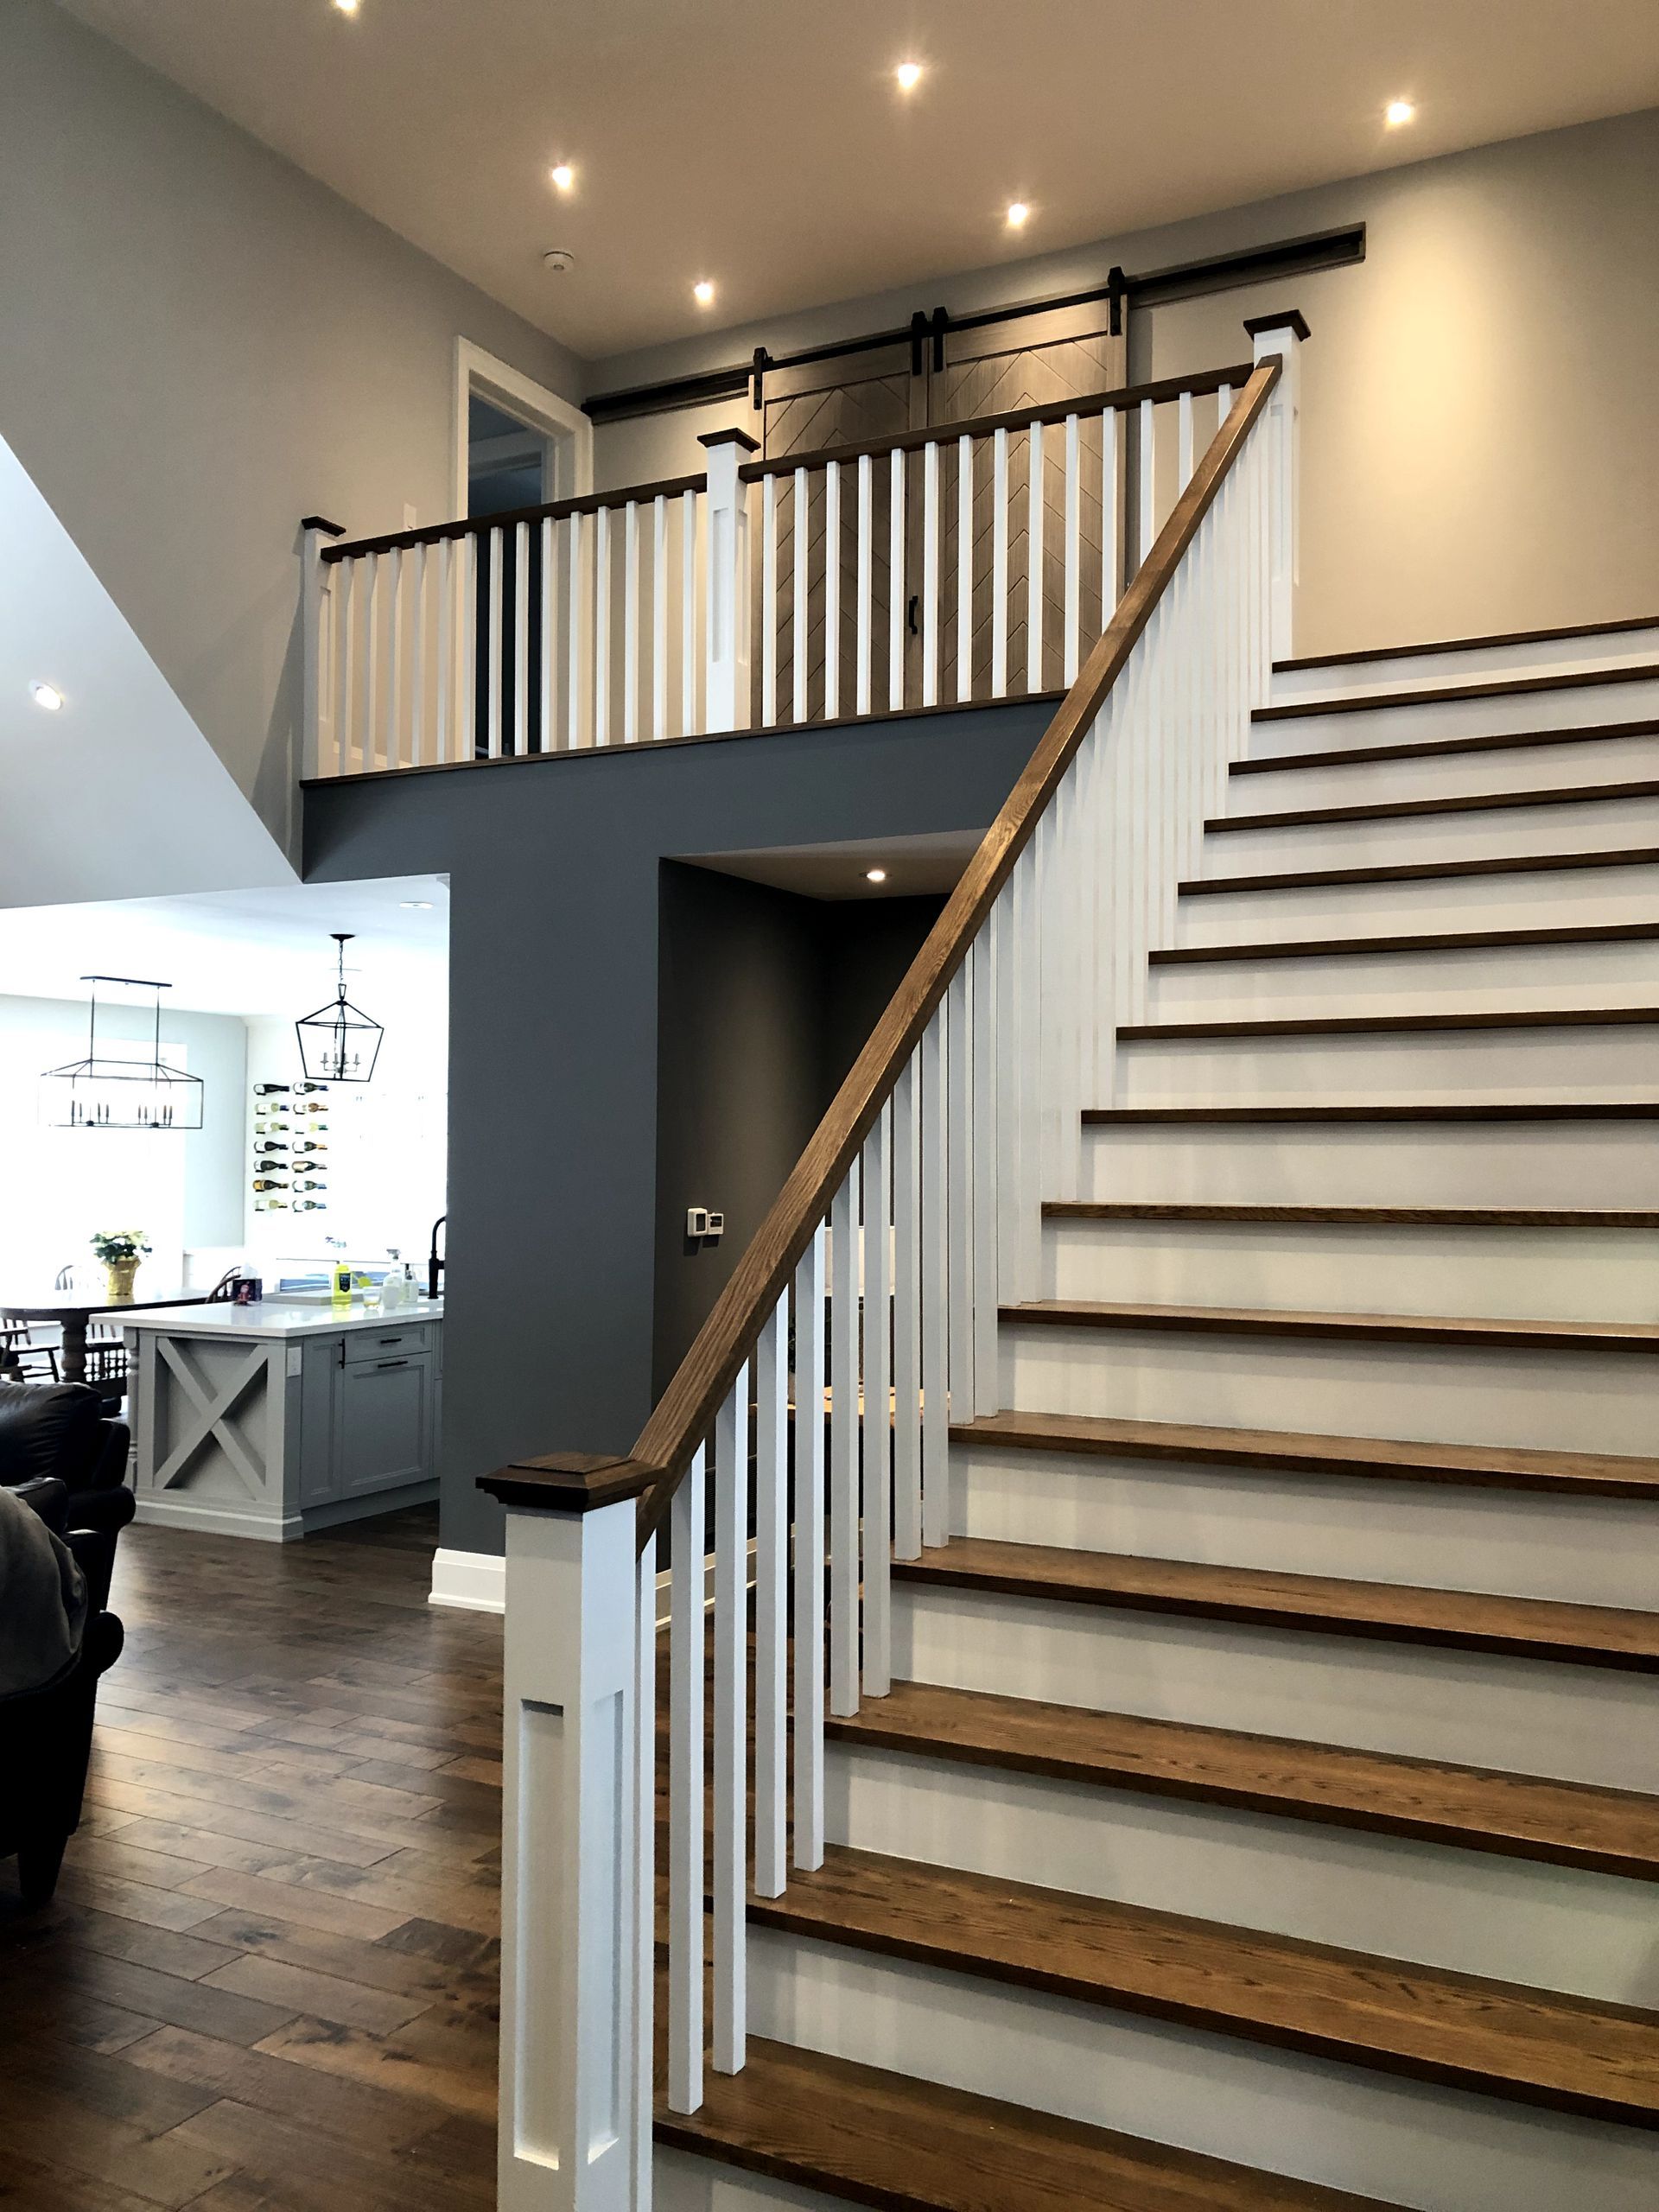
[732,437]
[321,524]
[1291,320]
[568,1481]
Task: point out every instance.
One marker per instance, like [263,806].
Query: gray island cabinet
[275,1420]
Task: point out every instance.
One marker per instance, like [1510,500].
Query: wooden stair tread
[1360,1216]
[1613,629]
[1535,1628]
[1468,1330]
[1396,810]
[1503,687]
[1592,1474]
[903,2145]
[1523,1817]
[1315,878]
[1303,948]
[1501,1110]
[1392,1025]
[1566,2054]
[1431,748]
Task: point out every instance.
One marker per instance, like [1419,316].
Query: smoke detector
[557,259]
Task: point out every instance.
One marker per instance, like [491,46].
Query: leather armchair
[46,1735]
[57,1431]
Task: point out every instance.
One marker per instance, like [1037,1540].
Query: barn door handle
[912,614]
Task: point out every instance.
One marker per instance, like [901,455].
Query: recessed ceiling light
[563,175]
[1398,111]
[908,75]
[704,292]
[416,905]
[47,696]
[347,7]
[875,875]
[1018,213]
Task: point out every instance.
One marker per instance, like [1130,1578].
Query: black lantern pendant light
[339,1043]
[108,1090]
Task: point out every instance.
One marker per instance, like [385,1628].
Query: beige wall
[198,345]
[1481,396]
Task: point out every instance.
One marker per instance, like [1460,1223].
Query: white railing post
[316,710]
[726,649]
[1283,334]
[573,1918]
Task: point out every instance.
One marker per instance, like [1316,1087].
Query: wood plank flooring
[268,1981]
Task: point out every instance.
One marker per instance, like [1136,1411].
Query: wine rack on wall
[288,1148]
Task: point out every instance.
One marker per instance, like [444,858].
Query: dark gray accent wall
[554,869]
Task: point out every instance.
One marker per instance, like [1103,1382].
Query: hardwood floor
[268,1981]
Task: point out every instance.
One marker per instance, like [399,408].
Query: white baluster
[935,1286]
[931,574]
[878,1416]
[689,655]
[809,1554]
[866,611]
[1073,558]
[907,1310]
[959,1118]
[633,643]
[371,747]
[770,1601]
[1035,509]
[964,567]
[472,565]
[1111,515]
[1149,478]
[803,525]
[685,1819]
[449,588]
[348,747]
[573,634]
[831,590]
[521,638]
[550,616]
[659,616]
[645,1890]
[845,1274]
[987,1147]
[896,564]
[1007,1183]
[394,592]
[1184,458]
[999,565]
[420,627]
[731,1723]
[768,601]
[497,637]
[602,627]
[726,703]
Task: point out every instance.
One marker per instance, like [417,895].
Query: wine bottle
[270,1147]
[308,1205]
[309,1147]
[265,1089]
[308,1086]
[265,1184]
[311,1185]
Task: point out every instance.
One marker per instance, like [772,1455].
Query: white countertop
[273,1317]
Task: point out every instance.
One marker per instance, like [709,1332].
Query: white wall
[199,344]
[184,1189]
[1481,433]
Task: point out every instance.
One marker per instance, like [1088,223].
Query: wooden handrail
[480,525]
[1120,399]
[686,1411]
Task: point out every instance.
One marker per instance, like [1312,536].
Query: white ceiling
[764,144]
[914,866]
[245,952]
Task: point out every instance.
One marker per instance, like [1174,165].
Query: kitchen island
[277,1419]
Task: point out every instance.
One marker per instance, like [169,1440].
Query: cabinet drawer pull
[391,1340]
[391,1363]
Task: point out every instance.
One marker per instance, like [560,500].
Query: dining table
[73,1312]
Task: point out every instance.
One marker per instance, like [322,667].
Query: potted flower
[120,1249]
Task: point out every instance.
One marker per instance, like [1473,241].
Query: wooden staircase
[1263,1815]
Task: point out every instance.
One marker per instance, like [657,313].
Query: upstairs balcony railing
[977,562]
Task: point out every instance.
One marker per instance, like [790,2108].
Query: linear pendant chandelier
[339,1043]
[109,1090]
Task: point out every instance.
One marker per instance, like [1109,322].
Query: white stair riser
[1516,1544]
[1427,1067]
[1439,2149]
[681,2183]
[1625,972]
[1600,825]
[1554,1274]
[1476,664]
[1446,775]
[1519,1716]
[1474,1913]
[1375,1163]
[1527,899]
[1627,699]
[1572,1401]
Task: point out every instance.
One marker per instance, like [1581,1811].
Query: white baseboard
[475,1582]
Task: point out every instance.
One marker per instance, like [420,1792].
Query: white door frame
[477,370]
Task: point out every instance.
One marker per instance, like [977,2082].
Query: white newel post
[1284,334]
[314,675]
[727,674]
[574,2096]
